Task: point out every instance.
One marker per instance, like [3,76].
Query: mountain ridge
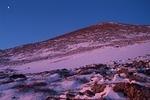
[113,23]
[85,39]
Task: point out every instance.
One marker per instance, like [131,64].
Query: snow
[86,44]
[37,54]
[72,83]
[117,78]
[28,97]
[8,96]
[85,88]
[97,79]
[75,46]
[82,97]
[137,35]
[62,96]
[53,78]
[102,55]
[110,94]
[66,85]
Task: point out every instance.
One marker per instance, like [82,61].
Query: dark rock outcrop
[97,88]
[18,76]
[133,91]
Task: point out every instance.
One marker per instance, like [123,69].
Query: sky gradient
[26,21]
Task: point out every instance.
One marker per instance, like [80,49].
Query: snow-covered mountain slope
[101,55]
[97,81]
[108,61]
[95,44]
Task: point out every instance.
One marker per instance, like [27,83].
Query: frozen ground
[102,55]
[97,81]
[107,61]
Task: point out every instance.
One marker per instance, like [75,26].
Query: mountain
[100,36]
[109,61]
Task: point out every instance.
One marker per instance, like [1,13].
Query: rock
[97,88]
[148,64]
[140,64]
[89,93]
[133,91]
[82,80]
[18,76]
[137,77]
[53,98]
[144,71]
[70,96]
[122,70]
[39,84]
[1,52]
[80,93]
[64,73]
[128,65]
[85,72]
[3,75]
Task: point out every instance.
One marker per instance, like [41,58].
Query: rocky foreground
[119,81]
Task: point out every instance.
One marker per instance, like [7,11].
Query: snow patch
[102,55]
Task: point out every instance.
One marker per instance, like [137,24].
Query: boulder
[97,88]
[133,91]
[17,76]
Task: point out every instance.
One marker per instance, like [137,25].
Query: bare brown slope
[101,32]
